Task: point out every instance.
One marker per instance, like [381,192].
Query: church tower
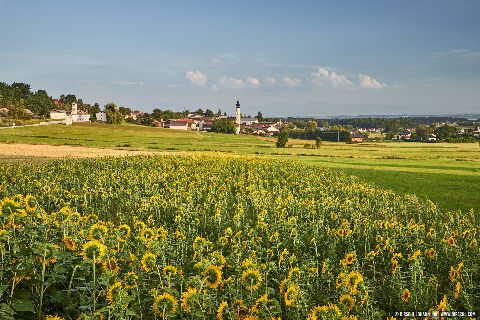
[238,118]
[74,108]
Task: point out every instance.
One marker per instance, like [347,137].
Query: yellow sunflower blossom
[165,304]
[252,279]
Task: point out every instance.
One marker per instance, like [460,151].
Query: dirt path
[22,151]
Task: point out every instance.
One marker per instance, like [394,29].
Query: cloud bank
[369,82]
[196,77]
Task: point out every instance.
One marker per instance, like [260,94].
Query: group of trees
[18,97]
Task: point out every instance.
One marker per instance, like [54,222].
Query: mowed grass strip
[446,173]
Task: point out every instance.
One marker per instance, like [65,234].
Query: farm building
[58,114]
[101,116]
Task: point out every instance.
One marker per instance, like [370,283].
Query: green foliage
[259,116]
[302,230]
[223,125]
[446,132]
[318,142]
[113,114]
[282,139]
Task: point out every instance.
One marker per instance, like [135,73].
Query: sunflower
[93,249]
[213,276]
[406,295]
[263,300]
[55,317]
[330,311]
[149,261]
[147,234]
[30,203]
[165,304]
[349,258]
[347,301]
[293,273]
[115,292]
[239,306]
[352,280]
[452,274]
[443,304]
[97,231]
[341,232]
[456,292]
[123,232]
[324,267]
[451,241]
[7,206]
[110,264]
[218,259]
[17,200]
[189,299]
[69,243]
[130,280]
[169,271]
[291,295]
[430,253]
[252,279]
[394,265]
[223,305]
[414,255]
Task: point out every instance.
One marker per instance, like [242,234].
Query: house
[81,117]
[248,121]
[206,126]
[405,135]
[101,116]
[58,114]
[181,124]
[432,137]
[272,130]
[357,137]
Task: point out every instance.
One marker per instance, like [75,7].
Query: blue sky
[312,58]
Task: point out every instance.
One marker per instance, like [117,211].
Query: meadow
[446,173]
[222,236]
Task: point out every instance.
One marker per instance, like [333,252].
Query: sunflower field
[219,237]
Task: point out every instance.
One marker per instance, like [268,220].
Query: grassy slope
[448,174]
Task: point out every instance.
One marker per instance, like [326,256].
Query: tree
[282,139]
[446,132]
[67,100]
[318,142]
[40,103]
[113,115]
[209,113]
[219,113]
[125,111]
[21,90]
[259,116]
[311,126]
[422,132]
[199,111]
[223,125]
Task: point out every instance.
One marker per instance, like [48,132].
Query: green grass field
[448,174]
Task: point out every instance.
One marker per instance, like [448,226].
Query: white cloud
[459,53]
[292,81]
[230,82]
[253,81]
[328,76]
[369,82]
[271,80]
[214,87]
[196,77]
